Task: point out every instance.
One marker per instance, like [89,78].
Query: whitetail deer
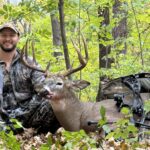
[73,114]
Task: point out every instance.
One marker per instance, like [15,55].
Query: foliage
[147,106]
[33,19]
[124,132]
[123,129]
[9,141]
[79,140]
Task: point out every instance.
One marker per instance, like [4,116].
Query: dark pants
[38,114]
[43,118]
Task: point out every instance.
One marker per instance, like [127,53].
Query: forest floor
[30,140]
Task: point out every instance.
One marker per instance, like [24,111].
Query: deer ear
[80,84]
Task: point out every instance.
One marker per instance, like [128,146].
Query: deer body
[73,114]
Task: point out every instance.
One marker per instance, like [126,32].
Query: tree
[63,33]
[104,50]
[120,29]
[55,30]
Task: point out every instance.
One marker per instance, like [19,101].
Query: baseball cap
[9,25]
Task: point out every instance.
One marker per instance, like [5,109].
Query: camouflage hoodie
[26,86]
[25,81]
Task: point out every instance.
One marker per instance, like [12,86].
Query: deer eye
[59,83]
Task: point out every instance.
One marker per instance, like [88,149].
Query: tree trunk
[56,31]
[63,33]
[103,50]
[120,31]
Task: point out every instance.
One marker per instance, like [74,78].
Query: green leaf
[2,12]
[17,124]
[106,128]
[147,106]
[132,128]
[49,141]
[102,122]
[111,134]
[5,7]
[102,112]
[125,111]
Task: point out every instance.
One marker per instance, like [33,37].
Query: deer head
[60,87]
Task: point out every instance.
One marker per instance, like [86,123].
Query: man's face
[8,39]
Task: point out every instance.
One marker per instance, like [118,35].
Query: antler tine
[22,53]
[33,52]
[85,47]
[47,68]
[26,48]
[23,59]
[83,61]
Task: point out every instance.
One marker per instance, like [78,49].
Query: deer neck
[68,112]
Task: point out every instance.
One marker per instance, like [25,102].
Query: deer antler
[24,51]
[83,61]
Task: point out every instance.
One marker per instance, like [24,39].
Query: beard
[8,49]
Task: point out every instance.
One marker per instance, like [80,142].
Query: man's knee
[44,118]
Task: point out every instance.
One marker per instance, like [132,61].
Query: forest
[117,34]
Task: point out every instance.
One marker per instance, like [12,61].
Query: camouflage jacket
[25,82]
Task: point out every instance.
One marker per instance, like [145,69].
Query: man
[22,86]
